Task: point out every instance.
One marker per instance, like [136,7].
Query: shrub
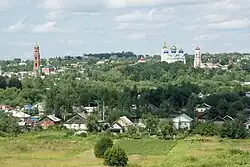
[132,130]
[167,129]
[82,134]
[133,165]
[238,151]
[115,156]
[206,129]
[102,146]
[70,133]
[233,130]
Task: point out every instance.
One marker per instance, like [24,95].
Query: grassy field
[49,149]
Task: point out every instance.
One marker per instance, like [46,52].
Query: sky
[75,27]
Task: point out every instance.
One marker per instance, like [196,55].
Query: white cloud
[137,36]
[208,37]
[19,26]
[141,3]
[55,15]
[4,4]
[20,44]
[135,16]
[233,24]
[9,4]
[71,41]
[216,17]
[50,26]
[74,5]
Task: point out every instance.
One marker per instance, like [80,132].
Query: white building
[181,122]
[77,122]
[172,55]
[202,107]
[197,58]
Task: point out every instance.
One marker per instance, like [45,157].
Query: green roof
[48,66]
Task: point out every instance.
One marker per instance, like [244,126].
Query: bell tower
[37,60]
[197,58]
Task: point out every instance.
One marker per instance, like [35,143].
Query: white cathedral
[172,55]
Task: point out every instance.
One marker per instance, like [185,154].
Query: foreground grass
[49,149]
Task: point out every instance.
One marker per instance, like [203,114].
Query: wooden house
[182,121]
[77,122]
[121,124]
[49,120]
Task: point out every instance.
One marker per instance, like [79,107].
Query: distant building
[49,120]
[202,107]
[48,69]
[198,63]
[121,124]
[171,55]
[37,59]
[141,60]
[182,122]
[248,94]
[197,58]
[77,122]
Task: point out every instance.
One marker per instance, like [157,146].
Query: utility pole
[103,111]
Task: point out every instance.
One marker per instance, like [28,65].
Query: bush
[238,151]
[206,129]
[82,134]
[233,130]
[102,146]
[69,133]
[115,156]
[132,130]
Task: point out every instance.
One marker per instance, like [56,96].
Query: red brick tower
[37,60]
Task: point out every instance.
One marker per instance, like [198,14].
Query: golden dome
[165,45]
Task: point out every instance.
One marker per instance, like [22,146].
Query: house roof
[73,120]
[203,105]
[19,114]
[28,107]
[227,117]
[183,118]
[201,115]
[90,109]
[116,127]
[126,121]
[247,123]
[53,118]
[218,118]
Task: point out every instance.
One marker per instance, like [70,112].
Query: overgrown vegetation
[51,147]
[115,156]
[102,145]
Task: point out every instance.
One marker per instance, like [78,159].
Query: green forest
[120,83]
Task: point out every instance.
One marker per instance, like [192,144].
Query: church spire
[165,45]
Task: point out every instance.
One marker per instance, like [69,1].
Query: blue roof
[28,107]
[34,118]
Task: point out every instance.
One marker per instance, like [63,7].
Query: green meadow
[50,149]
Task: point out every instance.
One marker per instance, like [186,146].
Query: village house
[247,125]
[202,108]
[21,116]
[77,122]
[49,120]
[6,107]
[121,124]
[183,121]
[218,120]
[228,118]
